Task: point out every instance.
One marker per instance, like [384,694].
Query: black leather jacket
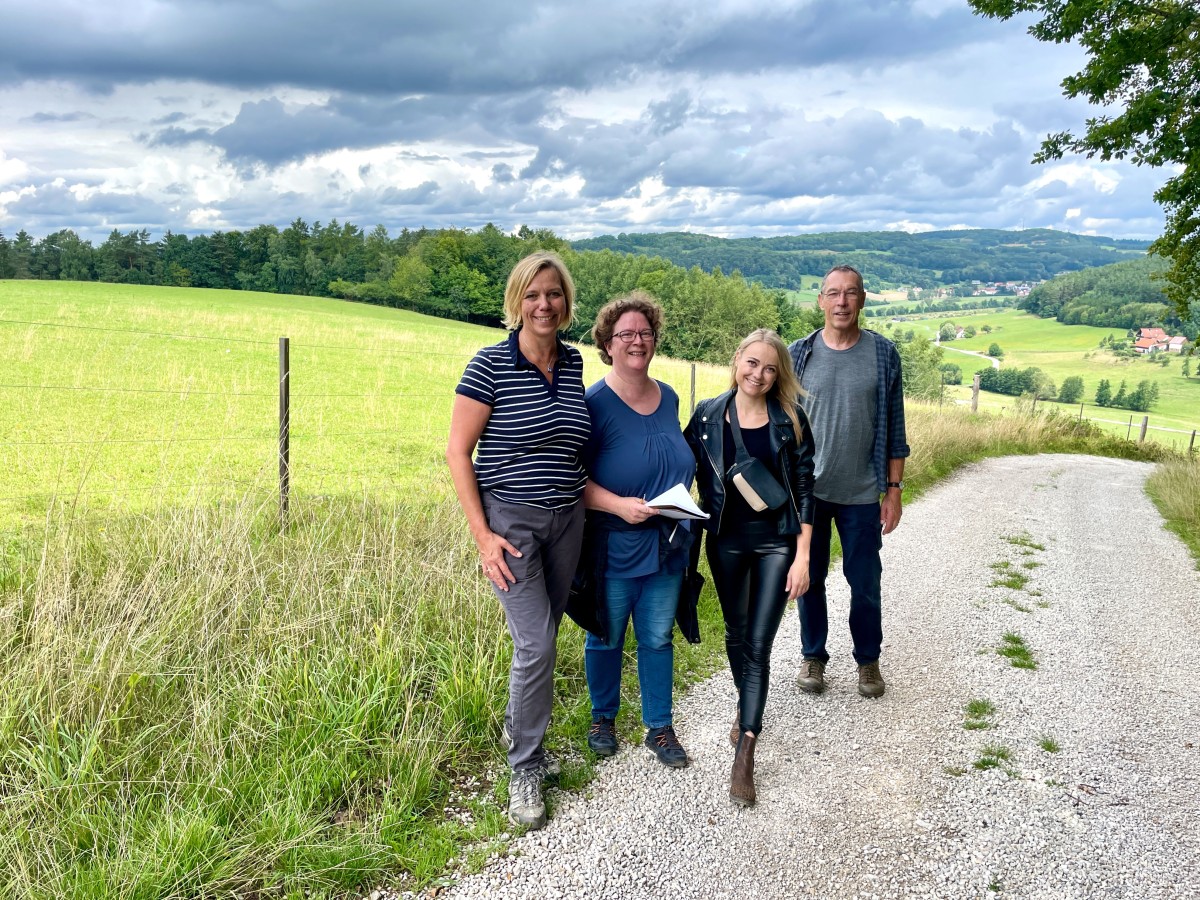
[705,434]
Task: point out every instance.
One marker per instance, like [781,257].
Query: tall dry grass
[1175,489]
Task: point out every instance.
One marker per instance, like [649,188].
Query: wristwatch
[896,484]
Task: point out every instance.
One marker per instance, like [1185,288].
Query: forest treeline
[887,258]
[451,273]
[1121,295]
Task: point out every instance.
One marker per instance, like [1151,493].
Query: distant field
[131,396]
[1065,350]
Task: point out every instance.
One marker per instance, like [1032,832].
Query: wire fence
[183,423]
[152,416]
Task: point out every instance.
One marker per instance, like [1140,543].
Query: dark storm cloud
[825,31]
[464,47]
[268,132]
[363,47]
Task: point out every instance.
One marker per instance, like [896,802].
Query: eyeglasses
[626,337]
[852,294]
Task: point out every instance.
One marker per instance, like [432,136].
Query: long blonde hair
[786,389]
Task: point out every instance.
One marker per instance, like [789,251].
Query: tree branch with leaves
[1144,60]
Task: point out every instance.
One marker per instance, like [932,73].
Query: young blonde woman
[758,556]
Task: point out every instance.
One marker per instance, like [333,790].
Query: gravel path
[881,799]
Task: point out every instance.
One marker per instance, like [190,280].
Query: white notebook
[676,503]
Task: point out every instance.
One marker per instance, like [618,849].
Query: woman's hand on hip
[492,548]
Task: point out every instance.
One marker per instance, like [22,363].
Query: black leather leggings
[749,570]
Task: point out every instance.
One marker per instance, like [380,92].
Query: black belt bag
[749,475]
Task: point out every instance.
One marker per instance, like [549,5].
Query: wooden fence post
[1129,430]
[693,395]
[1080,412]
[975,394]
[1192,442]
[1145,425]
[285,429]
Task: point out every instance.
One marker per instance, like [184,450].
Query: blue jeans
[861,535]
[651,601]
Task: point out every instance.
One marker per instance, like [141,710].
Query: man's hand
[890,511]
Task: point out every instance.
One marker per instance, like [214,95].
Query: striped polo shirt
[529,452]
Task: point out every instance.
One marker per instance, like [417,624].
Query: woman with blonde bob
[519,409]
[758,552]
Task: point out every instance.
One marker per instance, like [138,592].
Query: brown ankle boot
[741,779]
[735,730]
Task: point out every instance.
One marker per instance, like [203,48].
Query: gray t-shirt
[841,401]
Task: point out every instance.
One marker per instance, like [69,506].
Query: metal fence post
[1080,412]
[1192,442]
[285,428]
[1129,430]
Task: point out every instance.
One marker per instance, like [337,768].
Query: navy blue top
[636,456]
[529,451]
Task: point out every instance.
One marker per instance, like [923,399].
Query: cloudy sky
[732,117]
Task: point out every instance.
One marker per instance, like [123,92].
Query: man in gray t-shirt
[855,404]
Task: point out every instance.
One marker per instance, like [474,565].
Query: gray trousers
[549,541]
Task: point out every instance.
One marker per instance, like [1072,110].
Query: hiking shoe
[525,804]
[812,676]
[870,681]
[549,767]
[667,747]
[602,737]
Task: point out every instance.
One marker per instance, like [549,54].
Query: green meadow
[200,703]
[130,396]
[1065,350]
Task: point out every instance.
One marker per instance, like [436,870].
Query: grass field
[200,704]
[1064,350]
[130,396]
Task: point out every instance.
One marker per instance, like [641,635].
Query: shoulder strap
[742,455]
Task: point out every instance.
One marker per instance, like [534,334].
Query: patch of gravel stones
[881,798]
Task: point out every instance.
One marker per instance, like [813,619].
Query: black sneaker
[602,737]
[667,747]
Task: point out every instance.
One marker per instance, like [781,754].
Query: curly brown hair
[610,312]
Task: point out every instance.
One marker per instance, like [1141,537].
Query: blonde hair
[518,282]
[786,389]
[611,312]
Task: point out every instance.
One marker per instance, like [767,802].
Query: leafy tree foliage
[1121,295]
[929,259]
[1071,390]
[951,373]
[921,361]
[994,350]
[1017,382]
[1104,393]
[1144,59]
